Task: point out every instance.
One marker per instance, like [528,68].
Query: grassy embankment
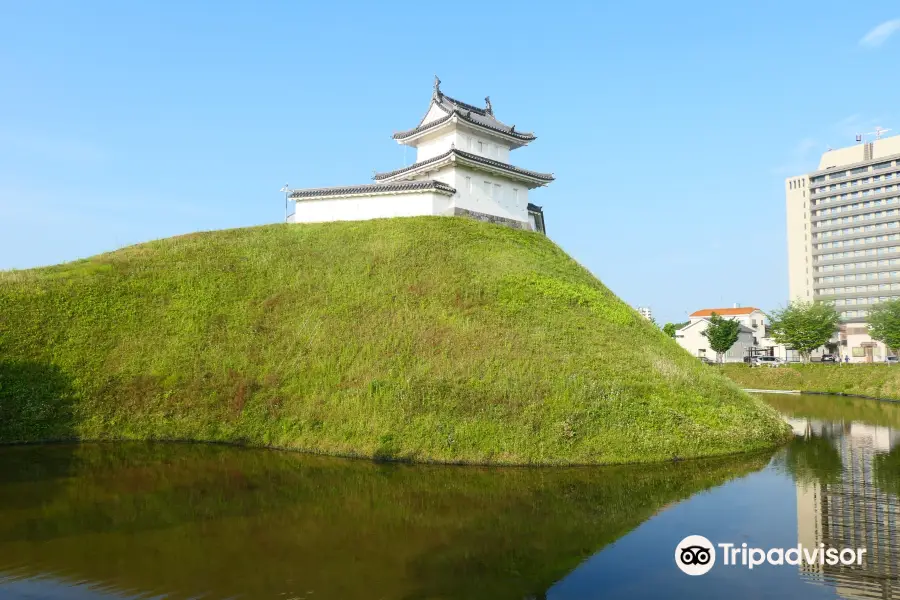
[877,380]
[432,339]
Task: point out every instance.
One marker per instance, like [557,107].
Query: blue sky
[669,126]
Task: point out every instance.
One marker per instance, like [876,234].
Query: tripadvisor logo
[696,555]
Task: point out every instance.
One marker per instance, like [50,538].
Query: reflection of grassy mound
[190,520]
[428,339]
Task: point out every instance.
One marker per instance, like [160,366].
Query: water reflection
[182,521]
[846,472]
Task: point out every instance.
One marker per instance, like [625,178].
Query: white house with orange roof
[691,338]
[752,338]
[748,316]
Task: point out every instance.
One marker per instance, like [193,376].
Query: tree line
[803,326]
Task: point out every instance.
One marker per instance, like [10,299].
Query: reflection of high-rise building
[853,513]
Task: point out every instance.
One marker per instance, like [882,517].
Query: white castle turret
[462,169]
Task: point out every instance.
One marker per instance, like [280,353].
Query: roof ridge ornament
[437,87]
[487,106]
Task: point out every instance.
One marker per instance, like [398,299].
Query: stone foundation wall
[462,212]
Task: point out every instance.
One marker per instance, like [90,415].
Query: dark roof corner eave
[423,185]
[515,135]
[453,154]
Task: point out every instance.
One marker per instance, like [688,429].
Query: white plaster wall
[433,114]
[856,340]
[468,139]
[799,239]
[502,204]
[757,316]
[462,138]
[429,148]
[360,208]
[692,340]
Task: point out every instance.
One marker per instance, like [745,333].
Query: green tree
[670,328]
[722,334]
[803,326]
[884,323]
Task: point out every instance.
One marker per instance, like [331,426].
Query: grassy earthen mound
[427,339]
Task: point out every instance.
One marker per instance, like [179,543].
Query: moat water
[104,521]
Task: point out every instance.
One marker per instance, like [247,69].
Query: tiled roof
[470,116]
[483,117]
[535,208]
[697,322]
[467,157]
[410,132]
[724,312]
[374,188]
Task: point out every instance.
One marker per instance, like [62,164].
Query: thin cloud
[851,121]
[51,147]
[880,34]
[802,156]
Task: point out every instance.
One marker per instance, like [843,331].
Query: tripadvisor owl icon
[695,555]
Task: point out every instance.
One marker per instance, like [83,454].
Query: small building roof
[741,329]
[724,312]
[473,115]
[399,187]
[467,158]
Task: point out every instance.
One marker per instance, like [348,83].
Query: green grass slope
[430,339]
[874,379]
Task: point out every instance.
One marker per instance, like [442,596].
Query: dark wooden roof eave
[472,158]
[422,185]
[518,136]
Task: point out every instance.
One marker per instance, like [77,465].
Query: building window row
[851,253]
[857,229]
[856,301]
[857,205]
[860,265]
[857,241]
[862,276]
[857,218]
[843,173]
[851,314]
[852,289]
[853,183]
[856,194]
[873,239]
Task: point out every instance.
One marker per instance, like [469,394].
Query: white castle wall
[463,138]
[472,194]
[361,208]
